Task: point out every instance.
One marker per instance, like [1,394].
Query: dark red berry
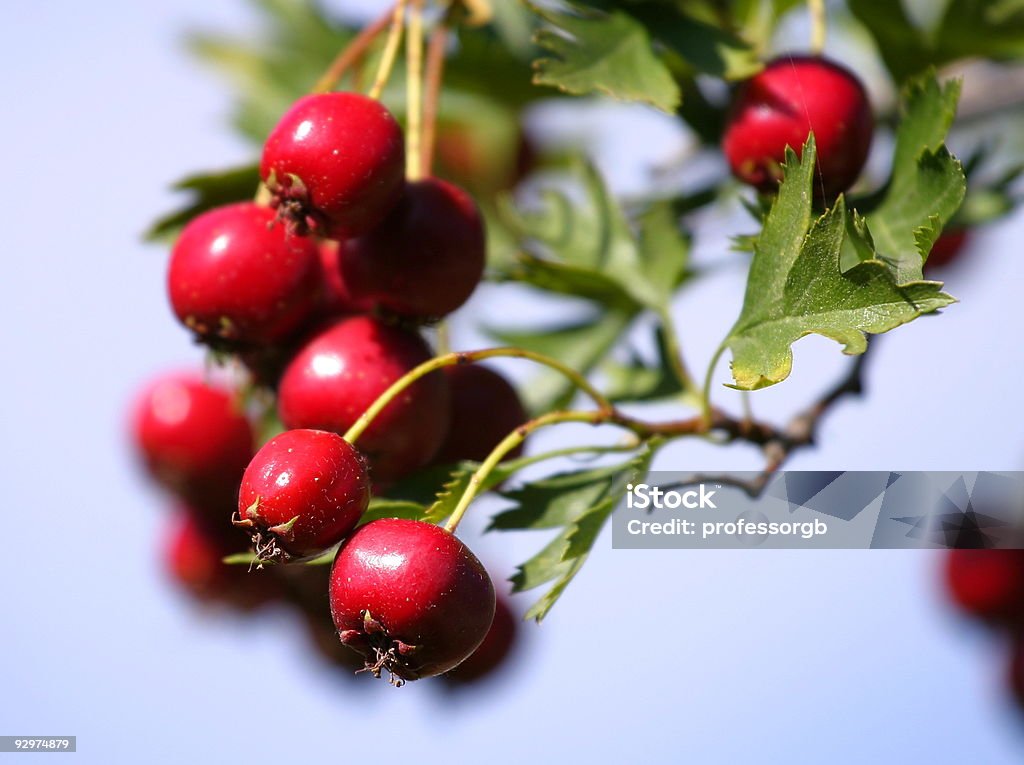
[335,161]
[778,107]
[194,439]
[1015,670]
[947,248]
[411,597]
[336,298]
[237,276]
[493,651]
[485,408]
[195,560]
[302,493]
[338,374]
[425,259]
[988,584]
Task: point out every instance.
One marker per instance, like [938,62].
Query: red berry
[947,248]
[411,597]
[493,651]
[336,161]
[788,99]
[303,492]
[193,438]
[237,276]
[338,374]
[336,298]
[1015,674]
[425,259]
[485,408]
[988,584]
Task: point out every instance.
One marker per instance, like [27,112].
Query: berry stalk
[353,52]
[387,61]
[434,76]
[414,93]
[818,25]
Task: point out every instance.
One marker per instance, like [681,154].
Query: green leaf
[638,381]
[208,190]
[796,286]
[579,503]
[927,184]
[609,53]
[705,47]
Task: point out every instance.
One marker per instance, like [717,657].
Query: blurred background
[711,657]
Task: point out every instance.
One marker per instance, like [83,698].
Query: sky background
[737,656]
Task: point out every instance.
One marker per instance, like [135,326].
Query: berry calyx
[302,493]
[988,584]
[193,439]
[335,163]
[425,259]
[236,277]
[781,105]
[493,652]
[342,370]
[947,248]
[485,408]
[411,597]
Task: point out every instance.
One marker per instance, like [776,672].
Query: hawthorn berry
[988,584]
[193,439]
[411,597]
[335,163]
[425,259]
[237,276]
[336,298]
[780,105]
[947,248]
[342,370]
[492,653]
[485,408]
[303,492]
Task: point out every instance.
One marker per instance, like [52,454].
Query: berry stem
[434,76]
[387,61]
[818,25]
[707,412]
[414,92]
[469,357]
[352,52]
[510,442]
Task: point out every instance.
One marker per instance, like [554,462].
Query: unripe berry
[193,439]
[411,597]
[237,276]
[302,493]
[335,162]
[485,408]
[781,105]
[342,370]
[425,259]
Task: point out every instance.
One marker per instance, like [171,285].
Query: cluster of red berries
[989,586]
[320,293]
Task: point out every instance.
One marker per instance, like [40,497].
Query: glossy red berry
[302,493]
[193,438]
[947,248]
[493,652]
[411,597]
[485,408]
[779,106]
[336,298]
[425,259]
[342,370]
[237,276]
[988,584]
[335,161]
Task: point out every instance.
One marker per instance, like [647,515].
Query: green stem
[469,357]
[510,442]
[818,25]
[414,93]
[706,411]
[387,61]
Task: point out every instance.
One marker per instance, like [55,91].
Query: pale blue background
[745,656]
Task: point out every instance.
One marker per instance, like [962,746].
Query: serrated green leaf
[384,507]
[796,286]
[207,190]
[608,53]
[580,503]
[637,381]
[927,184]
